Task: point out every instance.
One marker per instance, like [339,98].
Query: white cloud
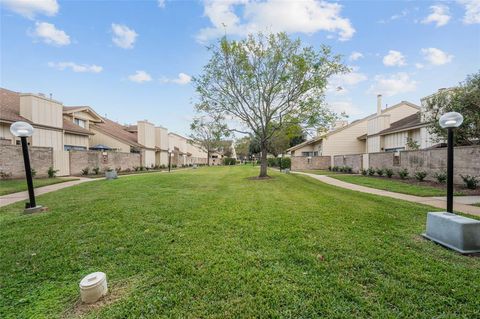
[140,77]
[472,11]
[50,34]
[76,67]
[123,37]
[346,107]
[394,17]
[393,84]
[161,3]
[340,83]
[30,8]
[440,15]
[394,58]
[436,56]
[308,16]
[419,65]
[355,56]
[181,79]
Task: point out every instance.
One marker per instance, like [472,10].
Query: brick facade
[354,161]
[11,160]
[314,162]
[91,159]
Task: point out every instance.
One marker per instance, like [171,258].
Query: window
[310,154]
[80,122]
[74,148]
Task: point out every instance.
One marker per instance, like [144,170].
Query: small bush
[5,175]
[348,169]
[85,171]
[163,166]
[403,173]
[371,171]
[174,165]
[52,172]
[96,170]
[232,161]
[34,172]
[286,163]
[379,171]
[364,172]
[389,172]
[441,177]
[471,182]
[118,169]
[420,175]
[330,168]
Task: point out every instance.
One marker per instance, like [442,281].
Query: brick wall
[315,162]
[354,161]
[381,160]
[91,159]
[11,160]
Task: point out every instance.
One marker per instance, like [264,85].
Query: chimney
[379,104]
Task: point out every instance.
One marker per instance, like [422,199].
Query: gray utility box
[111,174]
[453,231]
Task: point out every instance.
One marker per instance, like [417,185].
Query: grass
[392,185]
[10,186]
[476,204]
[320,172]
[211,243]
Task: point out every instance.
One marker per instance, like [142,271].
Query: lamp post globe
[24,130]
[450,121]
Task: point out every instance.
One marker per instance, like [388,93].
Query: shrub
[163,166]
[420,175]
[379,171]
[389,172]
[471,182]
[34,172]
[371,171]
[364,172]
[96,170]
[5,175]
[441,177]
[329,168]
[142,168]
[286,163]
[118,169]
[403,173]
[174,165]
[232,161]
[52,172]
[348,169]
[271,161]
[85,171]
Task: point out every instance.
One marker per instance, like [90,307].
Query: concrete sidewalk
[432,201]
[20,196]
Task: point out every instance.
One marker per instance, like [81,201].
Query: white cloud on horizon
[346,107]
[394,58]
[140,76]
[393,84]
[49,34]
[436,56]
[123,37]
[440,15]
[472,11]
[182,79]
[355,56]
[308,16]
[79,68]
[31,8]
[161,3]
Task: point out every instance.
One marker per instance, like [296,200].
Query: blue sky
[133,60]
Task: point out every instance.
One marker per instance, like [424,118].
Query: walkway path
[432,201]
[20,196]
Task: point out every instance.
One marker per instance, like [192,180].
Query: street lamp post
[170,154]
[450,121]
[24,130]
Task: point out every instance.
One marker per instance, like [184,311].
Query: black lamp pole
[450,170]
[28,173]
[169,161]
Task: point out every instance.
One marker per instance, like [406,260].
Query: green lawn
[17,185]
[319,172]
[211,243]
[476,204]
[392,185]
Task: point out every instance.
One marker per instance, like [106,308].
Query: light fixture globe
[21,129]
[451,119]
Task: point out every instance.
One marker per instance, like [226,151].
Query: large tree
[208,132]
[265,81]
[464,99]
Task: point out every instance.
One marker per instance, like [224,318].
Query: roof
[318,138]
[406,123]
[88,109]
[117,131]
[10,112]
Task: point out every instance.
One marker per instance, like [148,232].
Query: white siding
[76,140]
[5,133]
[395,140]
[148,158]
[41,110]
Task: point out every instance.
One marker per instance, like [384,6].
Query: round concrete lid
[93,280]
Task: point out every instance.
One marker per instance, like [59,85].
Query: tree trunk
[263,162]
[208,158]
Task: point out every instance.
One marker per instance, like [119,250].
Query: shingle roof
[404,124]
[117,131]
[10,111]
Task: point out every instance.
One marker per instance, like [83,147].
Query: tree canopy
[208,133]
[266,82]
